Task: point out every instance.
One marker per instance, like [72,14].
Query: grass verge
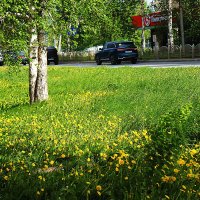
[125,133]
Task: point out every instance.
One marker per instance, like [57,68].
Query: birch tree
[170,27]
[143,25]
[25,23]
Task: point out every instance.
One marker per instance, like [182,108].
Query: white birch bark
[170,27]
[143,26]
[41,86]
[38,88]
[55,42]
[33,65]
[60,43]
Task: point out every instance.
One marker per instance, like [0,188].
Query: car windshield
[126,45]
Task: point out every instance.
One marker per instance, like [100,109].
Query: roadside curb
[140,61]
[170,60]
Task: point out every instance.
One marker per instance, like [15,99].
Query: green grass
[123,133]
[141,92]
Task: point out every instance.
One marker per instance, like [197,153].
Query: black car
[115,52]
[16,57]
[52,55]
[21,56]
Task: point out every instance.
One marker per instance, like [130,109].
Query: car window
[126,45]
[105,46]
[111,45]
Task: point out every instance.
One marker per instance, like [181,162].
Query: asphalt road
[152,64]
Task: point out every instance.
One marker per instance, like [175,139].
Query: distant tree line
[77,24]
[191,16]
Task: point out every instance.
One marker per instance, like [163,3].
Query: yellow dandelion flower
[168,179]
[190,175]
[98,188]
[165,179]
[88,159]
[62,156]
[121,162]
[176,170]
[193,152]
[40,177]
[51,162]
[172,178]
[38,193]
[116,169]
[126,178]
[181,161]
[133,162]
[42,189]
[46,166]
[33,164]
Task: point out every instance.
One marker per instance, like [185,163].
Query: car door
[103,52]
[108,48]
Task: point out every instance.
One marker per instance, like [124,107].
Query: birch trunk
[33,65]
[143,27]
[170,27]
[41,86]
[38,89]
[59,43]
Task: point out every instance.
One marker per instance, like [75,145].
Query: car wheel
[133,61]
[113,60]
[119,62]
[98,61]
[56,62]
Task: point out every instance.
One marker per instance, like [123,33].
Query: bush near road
[125,133]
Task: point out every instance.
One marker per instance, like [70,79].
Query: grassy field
[125,133]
